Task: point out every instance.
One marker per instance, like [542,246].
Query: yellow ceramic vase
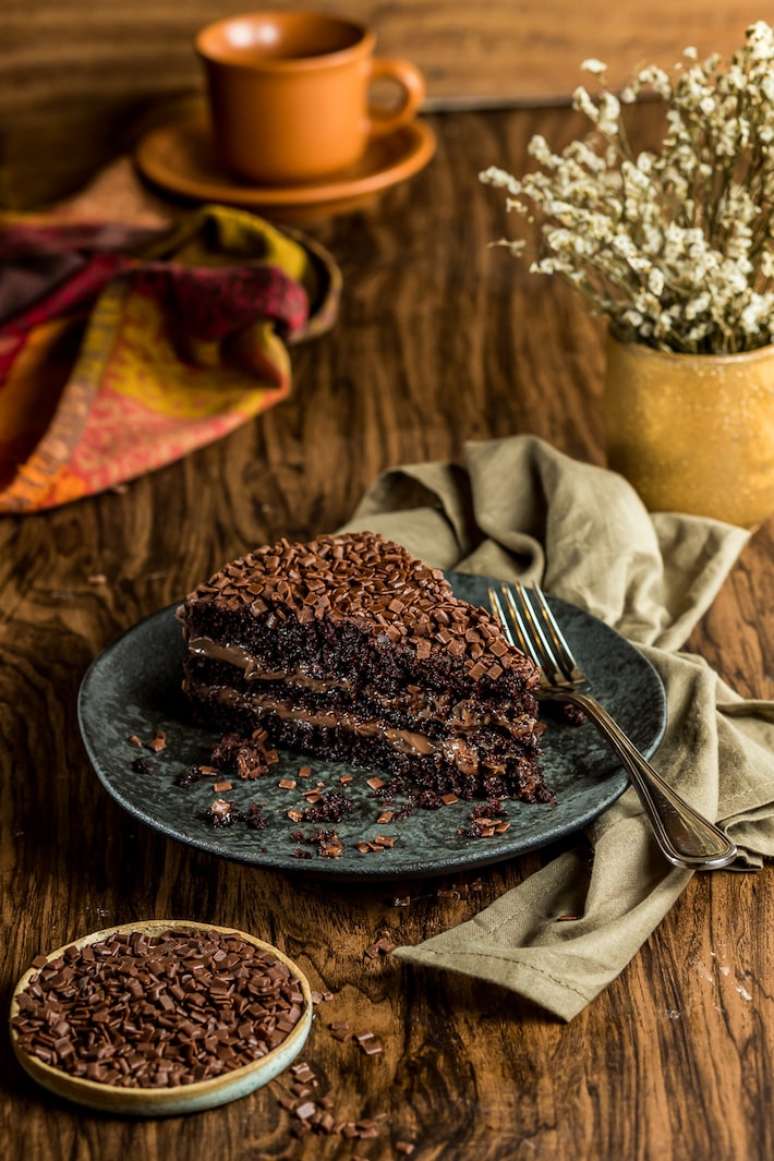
[693,433]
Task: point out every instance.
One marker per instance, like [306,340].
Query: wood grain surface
[440,339]
[75,76]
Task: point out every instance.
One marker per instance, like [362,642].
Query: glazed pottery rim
[363,46]
[32,1065]
[643,351]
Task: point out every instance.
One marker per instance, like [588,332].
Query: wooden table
[440,339]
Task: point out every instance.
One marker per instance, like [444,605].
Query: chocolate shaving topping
[157,1011]
[369,581]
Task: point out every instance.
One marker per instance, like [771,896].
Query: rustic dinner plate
[134,688]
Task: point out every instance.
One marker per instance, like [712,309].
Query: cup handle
[411,81]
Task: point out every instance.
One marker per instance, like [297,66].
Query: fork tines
[529,624]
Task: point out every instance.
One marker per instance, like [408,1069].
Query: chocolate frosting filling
[253,669]
[459,721]
[455,750]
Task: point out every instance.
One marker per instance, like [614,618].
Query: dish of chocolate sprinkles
[157,1011]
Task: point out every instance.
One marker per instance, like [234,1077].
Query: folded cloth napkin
[123,348]
[518,508]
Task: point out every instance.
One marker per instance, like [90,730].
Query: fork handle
[685,837]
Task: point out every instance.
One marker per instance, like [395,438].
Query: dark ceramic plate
[134,688]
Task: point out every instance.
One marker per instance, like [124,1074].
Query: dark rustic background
[78,77]
[440,339]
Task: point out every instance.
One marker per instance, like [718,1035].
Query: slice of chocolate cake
[349,647]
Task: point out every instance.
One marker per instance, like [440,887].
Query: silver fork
[685,837]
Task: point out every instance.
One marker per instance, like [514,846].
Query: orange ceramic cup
[289,93]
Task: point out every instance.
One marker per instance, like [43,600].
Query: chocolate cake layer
[443,768]
[350,647]
[433,711]
[345,604]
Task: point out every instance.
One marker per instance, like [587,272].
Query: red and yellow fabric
[121,349]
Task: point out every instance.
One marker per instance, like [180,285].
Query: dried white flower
[592,65]
[675,246]
[584,104]
[655,281]
[515,245]
[501,179]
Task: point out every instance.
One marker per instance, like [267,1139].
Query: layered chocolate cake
[350,648]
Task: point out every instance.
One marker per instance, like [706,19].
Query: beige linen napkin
[519,508]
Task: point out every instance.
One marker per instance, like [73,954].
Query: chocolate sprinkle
[158,742]
[370,1044]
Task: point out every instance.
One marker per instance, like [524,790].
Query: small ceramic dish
[188,1098]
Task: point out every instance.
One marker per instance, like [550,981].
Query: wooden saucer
[180,156]
[187,1098]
